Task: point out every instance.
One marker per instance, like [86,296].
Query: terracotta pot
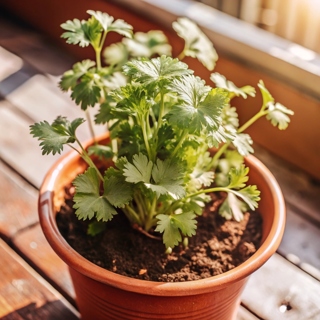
[102,294]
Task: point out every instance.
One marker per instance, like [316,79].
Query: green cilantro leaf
[103,18]
[222,82]
[116,189]
[214,138]
[54,136]
[250,195]
[172,226]
[278,115]
[139,171]
[266,95]
[230,117]
[232,207]
[116,54]
[168,179]
[147,44]
[101,151]
[197,44]
[86,93]
[88,201]
[238,177]
[232,159]
[243,143]
[75,33]
[71,77]
[161,68]
[200,106]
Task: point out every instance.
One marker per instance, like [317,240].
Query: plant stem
[145,138]
[182,138]
[181,55]
[84,155]
[217,155]
[258,115]
[132,215]
[88,116]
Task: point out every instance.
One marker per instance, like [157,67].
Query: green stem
[145,137]
[178,146]
[257,116]
[210,190]
[84,155]
[98,58]
[88,116]
[132,215]
[152,212]
[217,156]
[181,55]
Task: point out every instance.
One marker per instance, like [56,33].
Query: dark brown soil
[219,246]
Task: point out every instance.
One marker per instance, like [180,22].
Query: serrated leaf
[54,136]
[71,77]
[197,44]
[88,201]
[148,44]
[101,151]
[93,31]
[250,195]
[278,115]
[215,137]
[238,177]
[200,106]
[51,140]
[230,117]
[172,226]
[86,93]
[167,179]
[75,33]
[243,143]
[116,189]
[139,171]
[232,207]
[221,82]
[266,95]
[148,71]
[116,54]
[104,19]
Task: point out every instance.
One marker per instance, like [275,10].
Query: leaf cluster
[163,122]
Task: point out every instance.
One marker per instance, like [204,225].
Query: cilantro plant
[163,123]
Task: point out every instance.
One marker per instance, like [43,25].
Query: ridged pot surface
[102,294]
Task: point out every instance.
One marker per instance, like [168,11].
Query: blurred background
[295,20]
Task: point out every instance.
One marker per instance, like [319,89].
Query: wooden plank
[33,246]
[279,290]
[299,190]
[19,149]
[25,295]
[34,48]
[300,243]
[18,203]
[244,314]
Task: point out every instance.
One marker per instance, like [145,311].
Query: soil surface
[218,246]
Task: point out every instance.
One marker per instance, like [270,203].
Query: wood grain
[18,201]
[33,246]
[25,295]
[278,284]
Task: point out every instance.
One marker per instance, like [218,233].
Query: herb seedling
[163,122]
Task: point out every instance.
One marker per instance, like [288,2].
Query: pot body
[102,294]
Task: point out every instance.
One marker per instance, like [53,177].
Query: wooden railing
[295,20]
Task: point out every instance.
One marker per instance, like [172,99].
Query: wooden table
[34,282]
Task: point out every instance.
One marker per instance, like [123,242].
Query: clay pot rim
[76,261]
